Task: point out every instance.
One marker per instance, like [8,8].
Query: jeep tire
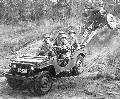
[43,83]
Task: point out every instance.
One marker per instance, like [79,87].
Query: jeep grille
[21,69]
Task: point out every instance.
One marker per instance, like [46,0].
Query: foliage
[13,11]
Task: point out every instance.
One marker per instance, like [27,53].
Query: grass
[105,57]
[13,38]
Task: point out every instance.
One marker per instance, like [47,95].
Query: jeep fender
[49,68]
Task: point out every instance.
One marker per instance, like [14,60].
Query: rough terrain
[65,88]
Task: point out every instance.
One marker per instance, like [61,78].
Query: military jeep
[38,73]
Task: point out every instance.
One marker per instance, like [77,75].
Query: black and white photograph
[59,49]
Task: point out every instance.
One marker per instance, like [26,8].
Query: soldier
[73,40]
[65,52]
[46,45]
[62,42]
[58,38]
[65,45]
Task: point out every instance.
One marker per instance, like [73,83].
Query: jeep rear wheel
[43,83]
[14,83]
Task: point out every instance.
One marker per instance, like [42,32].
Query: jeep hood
[29,59]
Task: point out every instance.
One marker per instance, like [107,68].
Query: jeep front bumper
[24,78]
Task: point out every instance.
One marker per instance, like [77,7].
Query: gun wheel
[79,64]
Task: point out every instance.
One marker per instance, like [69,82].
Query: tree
[61,10]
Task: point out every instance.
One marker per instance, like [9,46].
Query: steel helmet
[64,36]
[61,32]
[100,3]
[46,36]
[71,31]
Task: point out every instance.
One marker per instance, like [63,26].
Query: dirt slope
[68,88]
[72,88]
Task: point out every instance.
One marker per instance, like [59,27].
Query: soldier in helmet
[73,40]
[62,42]
[65,49]
[46,45]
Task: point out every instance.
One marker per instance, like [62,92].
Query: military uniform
[46,45]
[65,45]
[64,54]
[58,38]
[73,40]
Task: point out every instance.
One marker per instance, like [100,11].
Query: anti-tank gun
[101,21]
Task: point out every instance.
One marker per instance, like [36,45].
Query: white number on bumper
[22,70]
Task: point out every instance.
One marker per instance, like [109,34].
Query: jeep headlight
[32,68]
[14,65]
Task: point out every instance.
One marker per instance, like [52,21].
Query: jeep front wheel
[43,83]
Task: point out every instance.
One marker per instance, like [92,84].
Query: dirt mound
[104,51]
